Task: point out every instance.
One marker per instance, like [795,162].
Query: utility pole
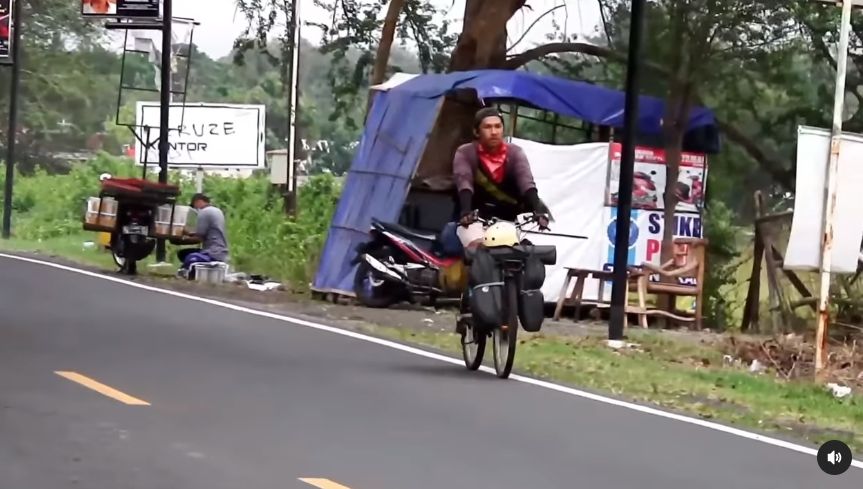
[16,23]
[832,170]
[293,97]
[165,27]
[164,105]
[620,280]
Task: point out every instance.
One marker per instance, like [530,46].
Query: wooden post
[513,120]
[753,296]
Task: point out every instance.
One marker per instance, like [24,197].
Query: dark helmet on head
[485,112]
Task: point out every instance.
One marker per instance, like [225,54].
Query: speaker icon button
[834,457]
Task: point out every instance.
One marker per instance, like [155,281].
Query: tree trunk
[382,56]
[675,122]
[481,45]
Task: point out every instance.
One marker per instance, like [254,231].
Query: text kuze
[201,130]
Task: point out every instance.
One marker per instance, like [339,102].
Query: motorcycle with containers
[131,214]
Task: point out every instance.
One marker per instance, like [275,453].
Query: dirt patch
[793,358]
[722,404]
[814,433]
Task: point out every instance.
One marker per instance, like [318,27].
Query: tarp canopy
[591,103]
[398,128]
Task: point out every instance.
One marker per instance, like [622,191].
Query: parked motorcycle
[398,263]
[131,241]
[125,214]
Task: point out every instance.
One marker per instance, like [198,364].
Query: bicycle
[511,253]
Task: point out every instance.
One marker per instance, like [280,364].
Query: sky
[221,23]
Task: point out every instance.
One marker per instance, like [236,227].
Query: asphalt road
[237,401]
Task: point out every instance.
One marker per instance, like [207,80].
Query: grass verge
[81,248]
[680,376]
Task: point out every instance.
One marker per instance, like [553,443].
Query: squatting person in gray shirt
[210,229]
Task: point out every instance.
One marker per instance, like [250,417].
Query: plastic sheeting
[377,183]
[591,103]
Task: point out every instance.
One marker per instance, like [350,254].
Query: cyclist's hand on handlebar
[467,218]
[542,220]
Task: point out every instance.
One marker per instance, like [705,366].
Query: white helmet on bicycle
[500,234]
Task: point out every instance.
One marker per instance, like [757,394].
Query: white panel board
[804,245]
[212,135]
[571,182]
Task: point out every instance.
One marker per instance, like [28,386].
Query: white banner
[804,244]
[205,135]
[571,182]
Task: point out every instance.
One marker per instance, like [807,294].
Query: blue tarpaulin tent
[399,125]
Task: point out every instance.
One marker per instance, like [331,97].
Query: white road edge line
[435,356]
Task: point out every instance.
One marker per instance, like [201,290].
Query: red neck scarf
[493,161]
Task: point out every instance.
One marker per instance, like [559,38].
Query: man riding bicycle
[494,178]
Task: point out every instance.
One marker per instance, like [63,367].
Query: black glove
[533,201]
[465,199]
[542,220]
[540,211]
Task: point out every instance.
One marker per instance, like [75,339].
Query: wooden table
[580,275]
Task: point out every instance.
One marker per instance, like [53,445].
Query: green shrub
[721,266]
[262,238]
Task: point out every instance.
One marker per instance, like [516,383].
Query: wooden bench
[688,263]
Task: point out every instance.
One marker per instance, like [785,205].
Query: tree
[63,66]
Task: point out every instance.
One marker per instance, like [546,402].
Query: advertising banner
[649,183]
[5,30]
[206,135]
[645,236]
[120,8]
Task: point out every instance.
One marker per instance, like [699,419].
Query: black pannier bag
[486,295]
[531,302]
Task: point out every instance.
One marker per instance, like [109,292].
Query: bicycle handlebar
[532,219]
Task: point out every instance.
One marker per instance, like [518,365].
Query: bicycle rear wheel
[504,338]
[472,341]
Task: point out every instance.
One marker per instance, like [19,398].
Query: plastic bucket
[163,220]
[181,217]
[93,206]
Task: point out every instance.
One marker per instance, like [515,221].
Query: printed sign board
[120,8]
[206,135]
[645,236]
[648,191]
[5,30]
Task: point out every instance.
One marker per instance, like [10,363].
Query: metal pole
[17,24]
[293,86]
[620,284]
[164,106]
[830,201]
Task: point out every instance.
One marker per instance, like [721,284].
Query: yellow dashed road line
[102,388]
